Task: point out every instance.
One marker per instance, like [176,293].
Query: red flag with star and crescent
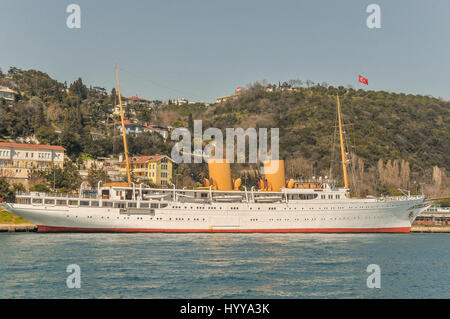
[363,80]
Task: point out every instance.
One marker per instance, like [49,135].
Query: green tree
[47,135]
[71,142]
[144,115]
[19,188]
[96,174]
[6,192]
[69,178]
[41,188]
[77,88]
[64,180]
[191,123]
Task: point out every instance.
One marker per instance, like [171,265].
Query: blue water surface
[34,265]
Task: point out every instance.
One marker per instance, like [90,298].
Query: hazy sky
[202,49]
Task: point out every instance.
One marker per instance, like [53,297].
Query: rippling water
[224,265]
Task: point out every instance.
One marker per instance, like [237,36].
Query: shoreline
[430,229]
[24,227]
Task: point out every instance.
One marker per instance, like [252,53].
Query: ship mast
[344,157]
[124,133]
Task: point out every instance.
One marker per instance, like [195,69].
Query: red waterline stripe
[58,229]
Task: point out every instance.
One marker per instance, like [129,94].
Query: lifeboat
[268,199]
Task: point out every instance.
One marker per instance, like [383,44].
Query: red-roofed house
[17,160]
[156,168]
[138,100]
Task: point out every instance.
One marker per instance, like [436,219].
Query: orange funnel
[274,174]
[220,173]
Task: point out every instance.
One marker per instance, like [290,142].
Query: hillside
[392,134]
[385,125]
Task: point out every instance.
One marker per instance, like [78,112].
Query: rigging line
[353,145]
[159,85]
[352,139]
[353,163]
[333,150]
[347,145]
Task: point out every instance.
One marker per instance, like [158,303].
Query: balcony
[139,170]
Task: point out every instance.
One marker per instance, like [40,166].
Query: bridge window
[107,204]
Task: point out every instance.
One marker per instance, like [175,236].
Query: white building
[17,160]
[180,101]
[7,93]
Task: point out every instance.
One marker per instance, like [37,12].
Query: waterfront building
[157,169]
[18,160]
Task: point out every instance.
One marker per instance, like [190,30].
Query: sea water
[34,265]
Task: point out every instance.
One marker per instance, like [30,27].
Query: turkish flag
[363,80]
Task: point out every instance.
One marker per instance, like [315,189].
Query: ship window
[73,202]
[49,202]
[84,203]
[144,205]
[154,206]
[23,200]
[107,204]
[94,203]
[338,196]
[308,196]
[132,205]
[119,205]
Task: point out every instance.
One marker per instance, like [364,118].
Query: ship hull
[56,229]
[349,216]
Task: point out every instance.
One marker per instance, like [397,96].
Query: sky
[203,49]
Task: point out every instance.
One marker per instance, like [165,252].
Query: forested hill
[393,134]
[384,125]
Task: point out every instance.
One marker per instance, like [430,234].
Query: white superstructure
[138,209]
